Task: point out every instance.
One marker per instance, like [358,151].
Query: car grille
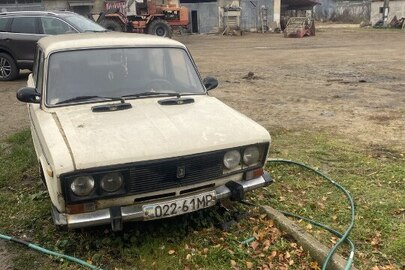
[162,174]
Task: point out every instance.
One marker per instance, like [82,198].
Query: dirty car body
[125,130]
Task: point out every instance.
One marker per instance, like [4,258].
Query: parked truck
[156,17]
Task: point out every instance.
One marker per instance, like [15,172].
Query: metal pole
[386,8]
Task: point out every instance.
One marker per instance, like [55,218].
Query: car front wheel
[8,68]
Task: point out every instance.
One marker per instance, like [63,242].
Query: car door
[4,25]
[24,34]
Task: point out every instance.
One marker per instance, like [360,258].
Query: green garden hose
[345,235]
[49,252]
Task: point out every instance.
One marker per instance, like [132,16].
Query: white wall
[397,8]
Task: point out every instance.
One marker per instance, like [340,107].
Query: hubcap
[5,68]
[160,31]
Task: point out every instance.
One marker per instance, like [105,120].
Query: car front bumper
[117,215]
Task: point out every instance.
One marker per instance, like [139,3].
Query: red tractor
[148,16]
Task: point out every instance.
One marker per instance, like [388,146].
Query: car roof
[37,13]
[80,41]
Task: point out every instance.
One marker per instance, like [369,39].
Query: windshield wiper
[96,31]
[83,98]
[153,94]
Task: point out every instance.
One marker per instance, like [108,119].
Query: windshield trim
[109,100]
[47,69]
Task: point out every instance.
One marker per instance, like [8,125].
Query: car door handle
[7,39]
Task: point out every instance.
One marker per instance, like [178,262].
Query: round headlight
[111,182]
[251,155]
[82,185]
[231,159]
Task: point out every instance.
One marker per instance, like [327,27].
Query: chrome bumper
[135,212]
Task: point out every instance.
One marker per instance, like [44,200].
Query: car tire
[8,68]
[112,25]
[160,28]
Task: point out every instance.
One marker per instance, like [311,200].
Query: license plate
[179,206]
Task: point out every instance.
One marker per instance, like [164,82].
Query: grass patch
[376,182]
[374,176]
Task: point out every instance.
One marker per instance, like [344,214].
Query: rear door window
[4,23]
[27,25]
[53,26]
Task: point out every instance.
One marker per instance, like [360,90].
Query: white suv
[124,130]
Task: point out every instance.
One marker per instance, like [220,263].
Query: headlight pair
[251,156]
[85,184]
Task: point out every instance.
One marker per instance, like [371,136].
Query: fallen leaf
[233,263]
[205,250]
[249,265]
[254,245]
[188,257]
[171,252]
[287,255]
[291,262]
[314,265]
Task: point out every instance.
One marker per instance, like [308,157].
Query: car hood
[150,131]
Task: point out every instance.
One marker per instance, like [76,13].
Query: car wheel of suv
[8,68]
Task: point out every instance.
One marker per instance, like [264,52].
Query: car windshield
[84,24]
[120,72]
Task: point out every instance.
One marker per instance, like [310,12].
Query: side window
[3,24]
[26,25]
[40,71]
[53,26]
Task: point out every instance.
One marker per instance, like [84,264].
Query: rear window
[3,24]
[84,24]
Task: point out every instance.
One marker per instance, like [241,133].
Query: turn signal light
[80,208]
[253,174]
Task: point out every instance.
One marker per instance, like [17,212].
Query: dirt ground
[347,81]
[350,81]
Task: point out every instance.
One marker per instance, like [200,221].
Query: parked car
[20,31]
[124,129]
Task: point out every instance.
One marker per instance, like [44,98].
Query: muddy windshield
[120,72]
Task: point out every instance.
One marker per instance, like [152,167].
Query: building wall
[17,7]
[397,8]
[207,16]
[343,11]
[55,4]
[251,13]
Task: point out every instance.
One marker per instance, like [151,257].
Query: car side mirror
[28,95]
[210,83]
